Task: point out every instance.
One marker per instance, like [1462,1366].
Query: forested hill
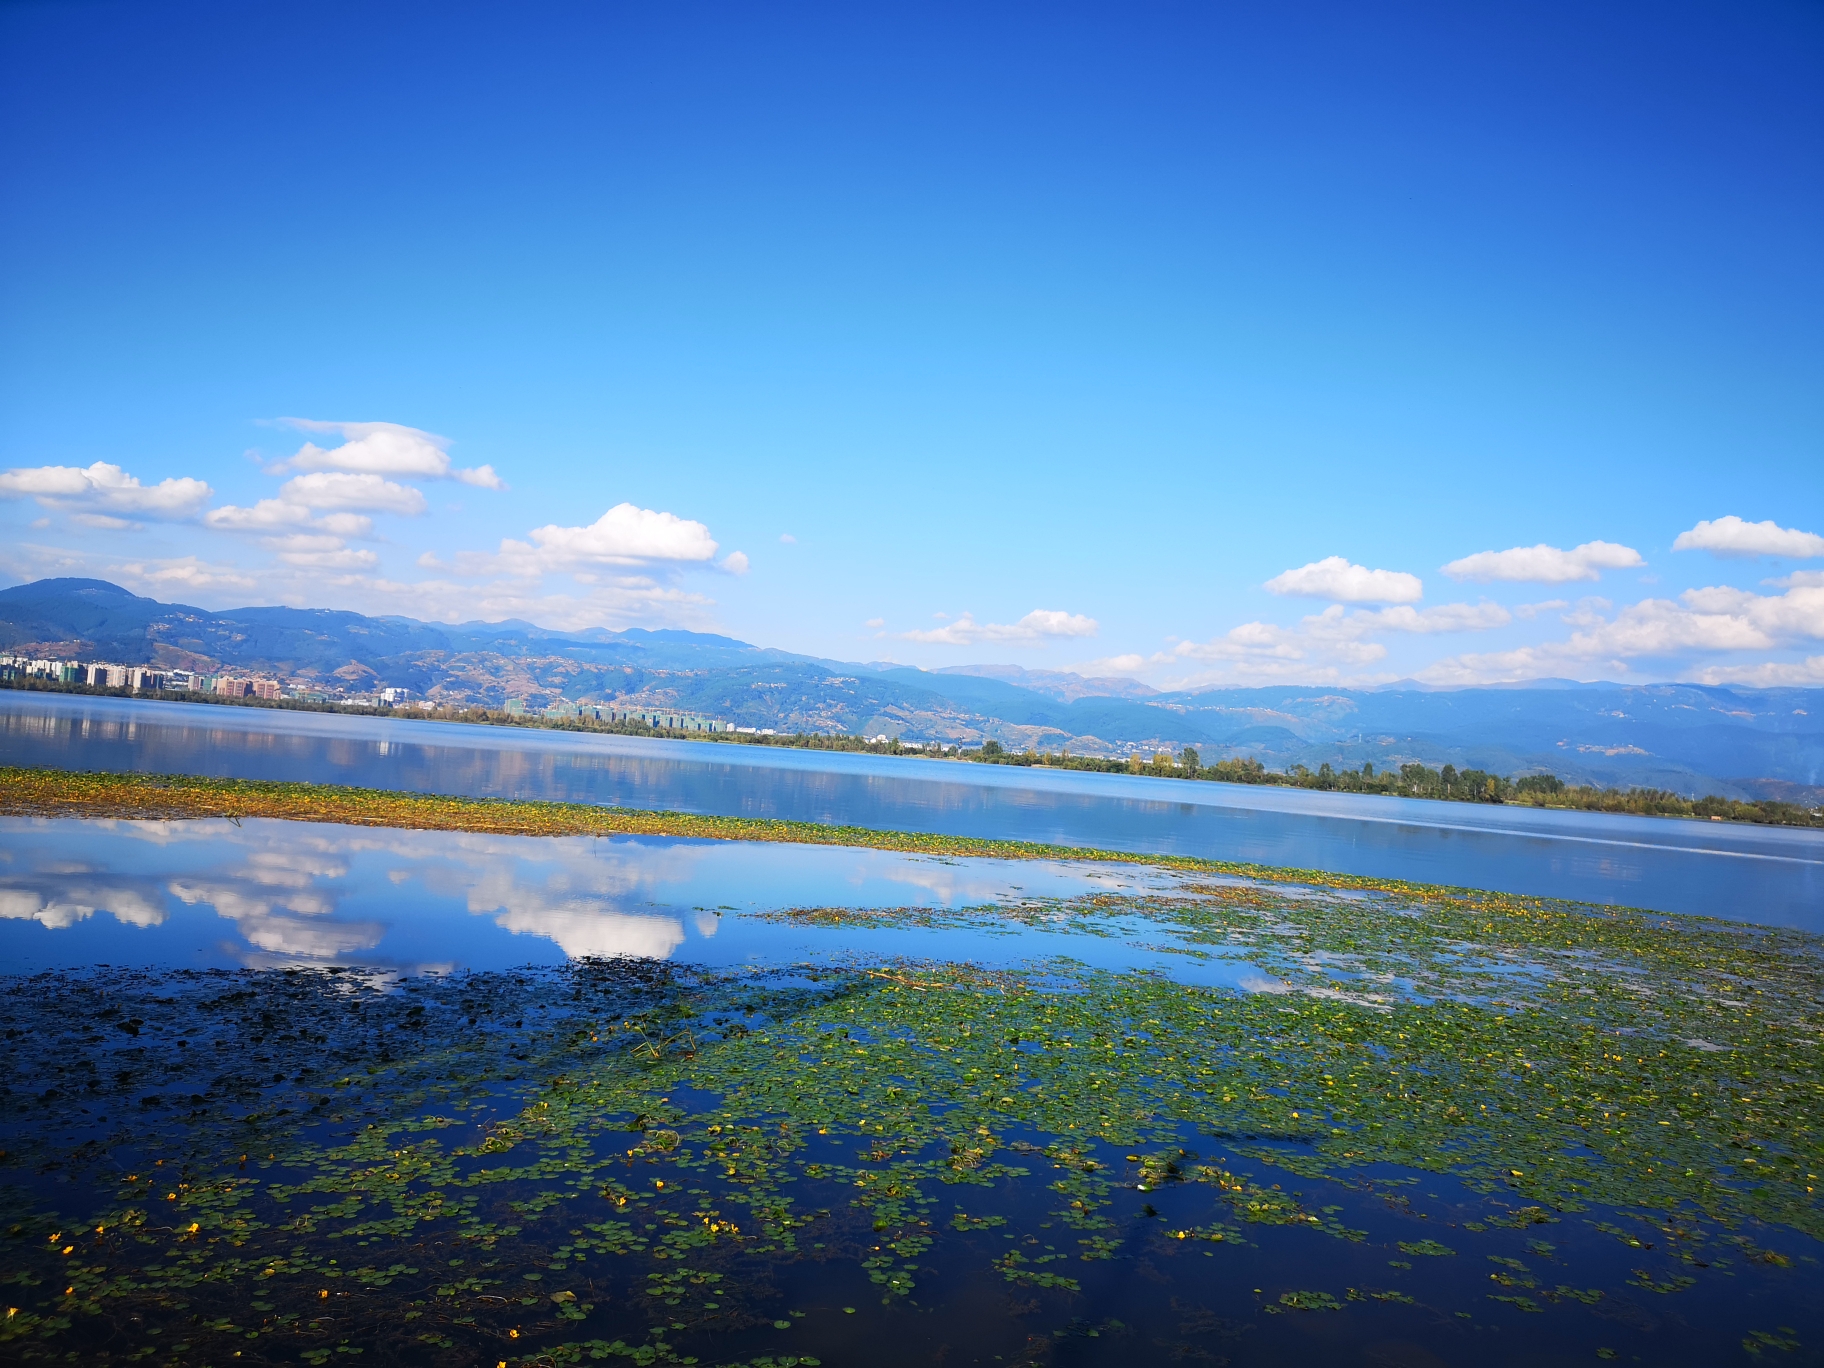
[1738,742]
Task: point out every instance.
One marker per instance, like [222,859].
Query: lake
[282,1092]
[1762,874]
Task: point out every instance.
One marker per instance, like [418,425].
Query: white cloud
[384,449]
[1711,620]
[625,535]
[1529,611]
[107,489]
[1325,647]
[1446,617]
[180,574]
[1336,579]
[297,538]
[264,516]
[322,553]
[1131,663]
[1040,625]
[1771,674]
[1544,564]
[1731,536]
[788,539]
[735,563]
[335,489]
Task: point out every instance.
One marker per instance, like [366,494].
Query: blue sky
[1124,338]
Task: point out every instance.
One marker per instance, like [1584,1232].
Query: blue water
[1760,874]
[269,894]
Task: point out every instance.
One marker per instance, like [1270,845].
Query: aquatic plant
[632,1161]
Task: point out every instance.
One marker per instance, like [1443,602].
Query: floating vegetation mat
[1439,1127]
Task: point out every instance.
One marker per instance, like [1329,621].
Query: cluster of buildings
[667,719]
[152,679]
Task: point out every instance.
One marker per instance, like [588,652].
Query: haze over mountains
[1762,743]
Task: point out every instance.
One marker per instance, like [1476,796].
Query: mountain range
[1759,743]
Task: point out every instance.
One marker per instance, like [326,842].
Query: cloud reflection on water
[64,904]
[419,901]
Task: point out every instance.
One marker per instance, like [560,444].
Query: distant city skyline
[1319,345]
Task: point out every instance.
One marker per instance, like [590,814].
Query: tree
[1189,758]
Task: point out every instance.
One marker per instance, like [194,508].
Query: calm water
[1748,873]
[267,894]
[740,1198]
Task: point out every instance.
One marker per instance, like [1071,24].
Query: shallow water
[1767,875]
[220,894]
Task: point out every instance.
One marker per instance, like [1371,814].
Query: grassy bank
[167,797]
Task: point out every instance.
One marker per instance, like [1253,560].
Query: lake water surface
[284,1092]
[1761,874]
[263,894]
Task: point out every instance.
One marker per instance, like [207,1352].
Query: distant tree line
[1410,780]
[1414,780]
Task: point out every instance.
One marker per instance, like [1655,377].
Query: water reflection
[1719,869]
[263,893]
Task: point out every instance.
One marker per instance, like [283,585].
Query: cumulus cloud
[105,489]
[1338,580]
[1708,621]
[335,489]
[1446,617]
[1131,662]
[177,575]
[293,526]
[384,449]
[735,563]
[1330,646]
[1731,536]
[1771,674]
[626,535]
[1544,564]
[264,516]
[1038,626]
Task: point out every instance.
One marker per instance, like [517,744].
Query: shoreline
[109,795]
[1633,802]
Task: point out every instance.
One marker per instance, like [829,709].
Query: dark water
[1748,873]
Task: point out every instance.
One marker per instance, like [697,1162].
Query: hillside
[1739,742]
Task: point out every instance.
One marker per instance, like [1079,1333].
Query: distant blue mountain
[1756,742]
